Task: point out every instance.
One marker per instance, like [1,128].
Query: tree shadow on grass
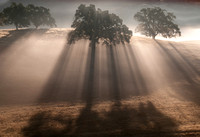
[185,73]
[140,81]
[13,48]
[53,86]
[175,63]
[60,89]
[120,120]
[14,35]
[186,60]
[125,77]
[88,92]
[114,74]
[59,86]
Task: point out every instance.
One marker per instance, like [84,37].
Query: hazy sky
[188,14]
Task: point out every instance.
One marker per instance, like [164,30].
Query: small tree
[16,14]
[156,21]
[40,16]
[94,25]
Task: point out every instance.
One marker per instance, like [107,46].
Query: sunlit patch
[3,33]
[152,64]
[188,34]
[33,58]
[27,58]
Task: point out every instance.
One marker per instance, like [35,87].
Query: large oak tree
[95,24]
[155,21]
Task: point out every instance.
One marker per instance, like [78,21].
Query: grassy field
[147,88]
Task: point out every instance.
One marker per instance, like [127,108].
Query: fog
[38,66]
[187,14]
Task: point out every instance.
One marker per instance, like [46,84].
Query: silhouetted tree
[40,16]
[97,26]
[94,25]
[16,14]
[156,21]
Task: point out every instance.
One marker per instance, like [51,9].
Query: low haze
[187,14]
[142,87]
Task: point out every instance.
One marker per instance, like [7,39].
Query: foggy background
[187,14]
[37,66]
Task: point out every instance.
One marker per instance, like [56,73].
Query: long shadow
[60,86]
[121,120]
[190,90]
[57,89]
[88,89]
[89,123]
[136,89]
[179,68]
[53,87]
[142,85]
[14,35]
[8,42]
[114,75]
[185,60]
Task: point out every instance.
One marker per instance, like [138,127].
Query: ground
[146,88]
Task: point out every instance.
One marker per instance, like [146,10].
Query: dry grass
[166,101]
[155,115]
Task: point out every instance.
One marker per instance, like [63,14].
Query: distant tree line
[95,24]
[23,16]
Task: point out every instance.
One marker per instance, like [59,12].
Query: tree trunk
[154,36]
[92,61]
[90,79]
[17,28]
[115,79]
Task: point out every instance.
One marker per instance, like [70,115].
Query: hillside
[149,87]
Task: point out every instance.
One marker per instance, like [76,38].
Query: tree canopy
[155,21]
[40,16]
[21,16]
[16,14]
[95,24]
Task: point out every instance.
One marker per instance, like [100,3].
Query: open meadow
[145,88]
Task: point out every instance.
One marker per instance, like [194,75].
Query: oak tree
[95,25]
[16,14]
[40,16]
[155,21]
